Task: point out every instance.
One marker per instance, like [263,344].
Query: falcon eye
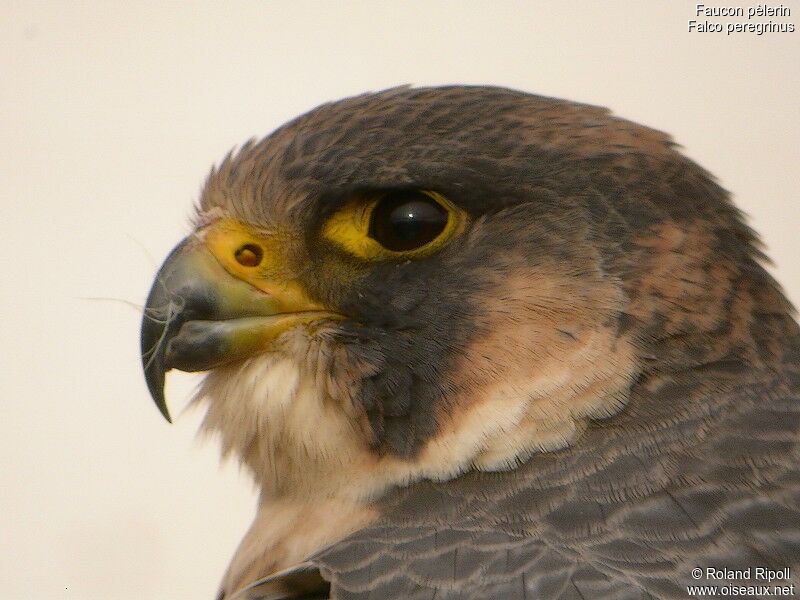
[402,221]
[394,224]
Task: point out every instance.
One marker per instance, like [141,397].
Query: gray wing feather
[628,513]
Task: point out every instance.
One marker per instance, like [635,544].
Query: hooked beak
[210,305]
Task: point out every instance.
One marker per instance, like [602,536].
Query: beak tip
[155,385]
[166,415]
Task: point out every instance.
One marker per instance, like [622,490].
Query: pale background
[112,115]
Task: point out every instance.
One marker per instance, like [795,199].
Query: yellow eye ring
[395,225]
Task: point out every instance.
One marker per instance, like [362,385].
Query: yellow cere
[227,237]
[349,229]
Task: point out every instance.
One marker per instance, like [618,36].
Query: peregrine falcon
[473,343]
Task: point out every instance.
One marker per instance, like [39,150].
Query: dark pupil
[406,220]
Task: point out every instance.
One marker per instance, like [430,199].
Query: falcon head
[416,283]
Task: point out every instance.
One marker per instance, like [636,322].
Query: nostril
[249,255]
